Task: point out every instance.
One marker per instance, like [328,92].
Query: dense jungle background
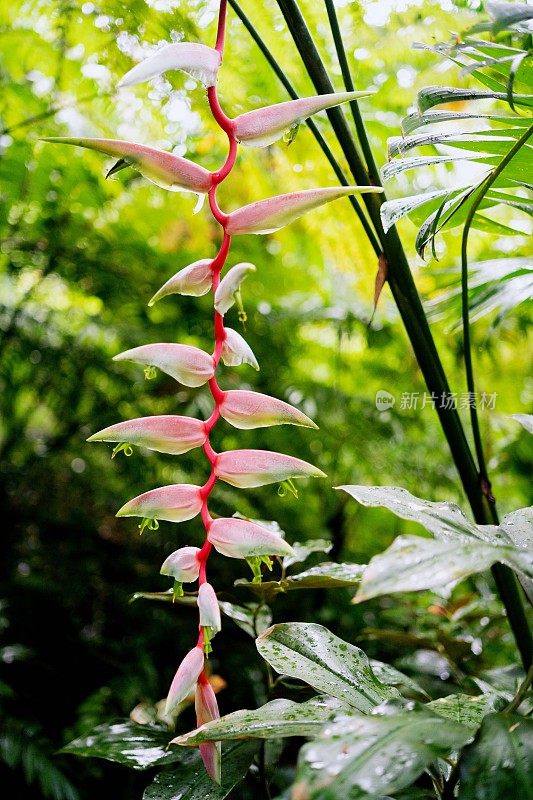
[80,258]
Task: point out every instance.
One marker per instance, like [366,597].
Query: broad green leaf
[443,520]
[252,618]
[189,780]
[499,763]
[414,121]
[310,652]
[279,718]
[467,710]
[391,676]
[328,575]
[369,756]
[493,142]
[135,746]
[412,564]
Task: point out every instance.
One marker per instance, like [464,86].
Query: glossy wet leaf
[438,95]
[189,780]
[328,575]
[467,710]
[303,550]
[367,756]
[277,719]
[390,676]
[310,652]
[136,746]
[499,763]
[412,564]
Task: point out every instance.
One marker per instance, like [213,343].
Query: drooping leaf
[248,468]
[263,126]
[279,719]
[310,652]
[164,169]
[498,763]
[267,216]
[136,746]
[359,757]
[164,434]
[246,410]
[443,520]
[188,365]
[323,576]
[189,780]
[412,564]
[197,60]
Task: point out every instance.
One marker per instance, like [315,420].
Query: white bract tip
[182,565]
[197,60]
[229,285]
[185,678]
[194,280]
[236,350]
[209,608]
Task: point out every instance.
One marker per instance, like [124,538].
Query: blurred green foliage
[81,256]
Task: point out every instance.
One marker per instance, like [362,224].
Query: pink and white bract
[186,364]
[239,538]
[248,468]
[197,60]
[247,410]
[185,679]
[175,503]
[183,565]
[194,280]
[167,433]
[206,707]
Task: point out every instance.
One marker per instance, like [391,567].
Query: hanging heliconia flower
[232,537]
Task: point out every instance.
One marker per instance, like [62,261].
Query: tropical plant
[374,730]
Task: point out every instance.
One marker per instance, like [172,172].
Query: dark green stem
[479,194]
[371,166]
[414,319]
[291,91]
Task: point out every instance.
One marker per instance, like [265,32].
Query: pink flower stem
[217,264]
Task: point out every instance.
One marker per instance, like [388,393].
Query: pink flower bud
[185,678]
[197,60]
[182,565]
[245,410]
[238,538]
[267,216]
[229,285]
[247,468]
[164,169]
[175,503]
[165,434]
[186,364]
[236,350]
[194,280]
[209,608]
[264,126]
[206,707]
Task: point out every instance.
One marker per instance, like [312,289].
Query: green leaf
[467,710]
[189,780]
[499,763]
[443,520]
[412,564]
[279,718]
[438,95]
[311,653]
[303,550]
[328,575]
[369,756]
[414,121]
[391,676]
[252,618]
[136,746]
